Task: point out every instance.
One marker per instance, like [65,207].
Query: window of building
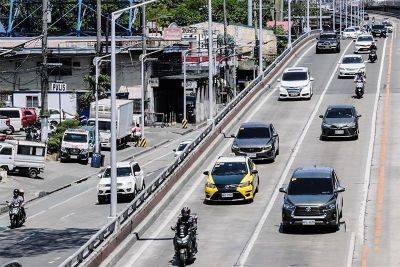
[32,101]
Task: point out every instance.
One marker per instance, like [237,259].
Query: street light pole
[260,40]
[289,26]
[345,11]
[308,15]
[340,16]
[114,16]
[210,62]
[320,15]
[334,16]
[96,63]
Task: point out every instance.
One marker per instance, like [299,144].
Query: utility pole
[320,15]
[260,39]
[210,64]
[144,49]
[44,75]
[250,13]
[226,67]
[333,16]
[98,39]
[289,25]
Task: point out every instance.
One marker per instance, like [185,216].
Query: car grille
[218,196]
[250,149]
[293,91]
[74,151]
[346,131]
[308,211]
[226,187]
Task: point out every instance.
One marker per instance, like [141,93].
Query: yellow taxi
[232,179]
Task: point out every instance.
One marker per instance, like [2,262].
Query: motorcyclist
[360,77]
[190,222]
[137,132]
[373,47]
[18,200]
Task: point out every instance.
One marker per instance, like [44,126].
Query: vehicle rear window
[10,113]
[229,168]
[294,76]
[103,125]
[77,138]
[349,30]
[253,132]
[365,39]
[181,147]
[310,186]
[378,27]
[121,172]
[352,60]
[328,36]
[339,113]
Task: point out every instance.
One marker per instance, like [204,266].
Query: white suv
[296,83]
[130,181]
[351,65]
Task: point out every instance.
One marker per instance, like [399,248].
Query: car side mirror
[282,190]
[376,40]
[275,135]
[359,116]
[278,80]
[340,190]
[317,38]
[233,136]
[321,116]
[174,150]
[99,175]
[254,172]
[207,173]
[354,41]
[312,79]
[136,173]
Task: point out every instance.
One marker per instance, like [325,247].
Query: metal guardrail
[112,227]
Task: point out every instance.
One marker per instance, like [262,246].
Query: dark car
[312,198]
[340,121]
[256,140]
[378,30]
[328,41]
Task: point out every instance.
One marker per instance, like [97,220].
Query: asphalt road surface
[249,234]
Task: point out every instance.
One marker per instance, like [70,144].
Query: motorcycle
[372,56]
[32,133]
[359,89]
[136,137]
[184,250]
[16,217]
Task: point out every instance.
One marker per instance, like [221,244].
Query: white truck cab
[24,157]
[76,145]
[130,181]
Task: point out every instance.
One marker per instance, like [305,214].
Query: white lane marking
[351,250]
[66,216]
[56,259]
[246,252]
[69,199]
[37,214]
[367,174]
[189,193]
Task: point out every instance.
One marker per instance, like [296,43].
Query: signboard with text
[59,87]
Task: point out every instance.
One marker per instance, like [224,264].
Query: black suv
[328,41]
[312,198]
[340,121]
[378,30]
[256,140]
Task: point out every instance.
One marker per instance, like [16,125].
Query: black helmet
[185,212]
[16,192]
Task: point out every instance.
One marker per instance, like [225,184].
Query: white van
[16,116]
[23,156]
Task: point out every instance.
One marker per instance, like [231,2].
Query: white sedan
[351,65]
[363,43]
[349,32]
[181,147]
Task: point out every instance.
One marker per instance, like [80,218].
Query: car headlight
[84,151]
[129,184]
[351,125]
[288,205]
[63,149]
[245,184]
[101,186]
[235,147]
[325,125]
[268,147]
[362,69]
[210,185]
[330,206]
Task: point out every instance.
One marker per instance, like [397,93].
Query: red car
[30,116]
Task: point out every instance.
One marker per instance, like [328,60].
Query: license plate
[339,131]
[308,222]
[226,195]
[252,155]
[294,94]
[73,156]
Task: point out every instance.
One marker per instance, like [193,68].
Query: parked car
[312,198]
[256,140]
[23,156]
[340,121]
[56,116]
[351,65]
[30,115]
[5,125]
[17,118]
[349,32]
[76,145]
[296,83]
[328,41]
[363,43]
[130,181]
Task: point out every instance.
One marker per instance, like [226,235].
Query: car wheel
[258,184]
[355,137]
[85,161]
[338,49]
[277,151]
[143,185]
[12,129]
[32,173]
[101,199]
[284,228]
[322,138]
[317,51]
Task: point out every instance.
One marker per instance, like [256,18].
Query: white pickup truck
[25,157]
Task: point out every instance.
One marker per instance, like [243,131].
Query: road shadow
[28,242]
[307,230]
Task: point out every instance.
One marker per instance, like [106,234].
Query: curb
[85,178]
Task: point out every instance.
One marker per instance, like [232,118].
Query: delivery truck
[124,121]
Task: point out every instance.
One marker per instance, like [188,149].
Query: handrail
[133,208]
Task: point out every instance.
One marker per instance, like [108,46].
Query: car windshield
[339,113]
[349,30]
[182,146]
[253,132]
[121,172]
[365,39]
[229,168]
[352,60]
[294,76]
[75,137]
[378,26]
[310,186]
[327,36]
[103,125]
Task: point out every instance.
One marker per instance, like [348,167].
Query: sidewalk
[57,175]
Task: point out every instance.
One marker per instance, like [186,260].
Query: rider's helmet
[360,72]
[16,192]
[185,213]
